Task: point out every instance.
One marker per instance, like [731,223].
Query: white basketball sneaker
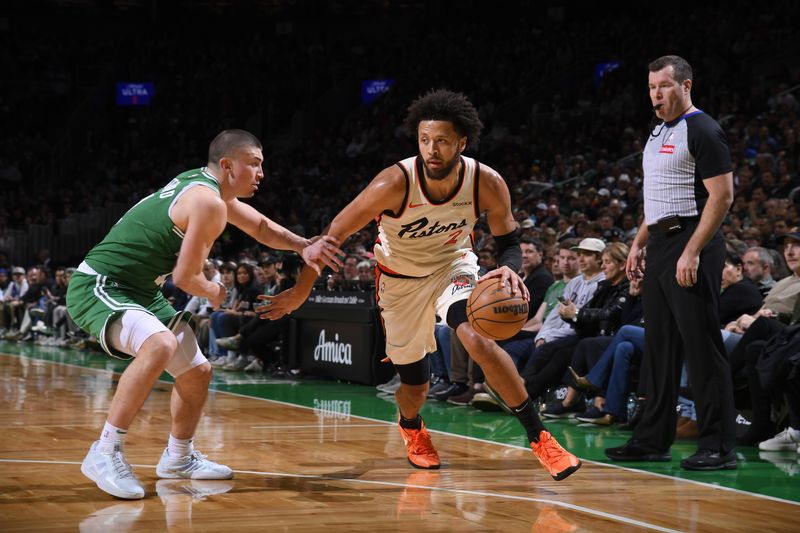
[112,473]
[787,440]
[192,466]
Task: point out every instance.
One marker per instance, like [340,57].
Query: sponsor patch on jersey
[461,204]
[667,149]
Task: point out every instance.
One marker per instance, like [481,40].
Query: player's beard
[444,171]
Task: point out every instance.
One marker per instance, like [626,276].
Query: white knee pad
[188,355]
[128,333]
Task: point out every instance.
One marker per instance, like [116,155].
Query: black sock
[414,423]
[529,420]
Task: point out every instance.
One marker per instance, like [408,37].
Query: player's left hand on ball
[509,278]
[323,250]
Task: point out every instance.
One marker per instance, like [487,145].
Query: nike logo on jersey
[412,205]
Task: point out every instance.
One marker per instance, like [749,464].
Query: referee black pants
[682,324]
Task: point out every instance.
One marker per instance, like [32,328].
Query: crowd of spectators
[566,142]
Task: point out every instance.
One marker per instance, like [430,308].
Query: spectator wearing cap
[269,274]
[578,291]
[540,213]
[527,226]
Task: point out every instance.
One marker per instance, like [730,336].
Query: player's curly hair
[453,107]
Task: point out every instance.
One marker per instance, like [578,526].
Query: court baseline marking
[486,441]
[480,493]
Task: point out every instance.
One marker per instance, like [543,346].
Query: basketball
[494,312]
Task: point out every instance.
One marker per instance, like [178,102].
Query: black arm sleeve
[508,251]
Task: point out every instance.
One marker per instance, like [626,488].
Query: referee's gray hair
[681,69]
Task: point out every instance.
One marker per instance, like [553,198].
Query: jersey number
[169,189]
[453,237]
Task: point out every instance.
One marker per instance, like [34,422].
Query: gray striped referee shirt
[678,156]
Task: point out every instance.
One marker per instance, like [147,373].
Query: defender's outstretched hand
[279,305]
[509,277]
[323,250]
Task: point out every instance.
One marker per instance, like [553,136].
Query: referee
[688,188]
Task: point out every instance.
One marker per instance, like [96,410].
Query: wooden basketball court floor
[317,455]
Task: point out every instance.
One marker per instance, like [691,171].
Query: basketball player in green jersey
[115,295]
[426,206]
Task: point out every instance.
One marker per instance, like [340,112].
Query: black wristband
[508,251]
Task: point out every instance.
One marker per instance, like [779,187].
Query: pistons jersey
[427,235]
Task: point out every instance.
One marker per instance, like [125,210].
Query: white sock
[179,447]
[110,437]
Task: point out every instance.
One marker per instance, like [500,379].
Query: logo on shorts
[461,281]
[334,351]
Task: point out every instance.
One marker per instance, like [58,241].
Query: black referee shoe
[710,460]
[636,450]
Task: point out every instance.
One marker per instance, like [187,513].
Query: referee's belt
[671,225]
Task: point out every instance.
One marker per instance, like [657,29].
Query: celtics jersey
[427,235]
[140,250]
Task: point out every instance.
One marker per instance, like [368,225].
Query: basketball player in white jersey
[426,207]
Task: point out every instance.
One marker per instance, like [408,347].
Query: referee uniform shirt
[683,323]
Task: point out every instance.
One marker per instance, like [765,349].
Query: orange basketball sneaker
[558,462]
[421,453]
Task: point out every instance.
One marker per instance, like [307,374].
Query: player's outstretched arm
[496,201]
[272,234]
[384,193]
